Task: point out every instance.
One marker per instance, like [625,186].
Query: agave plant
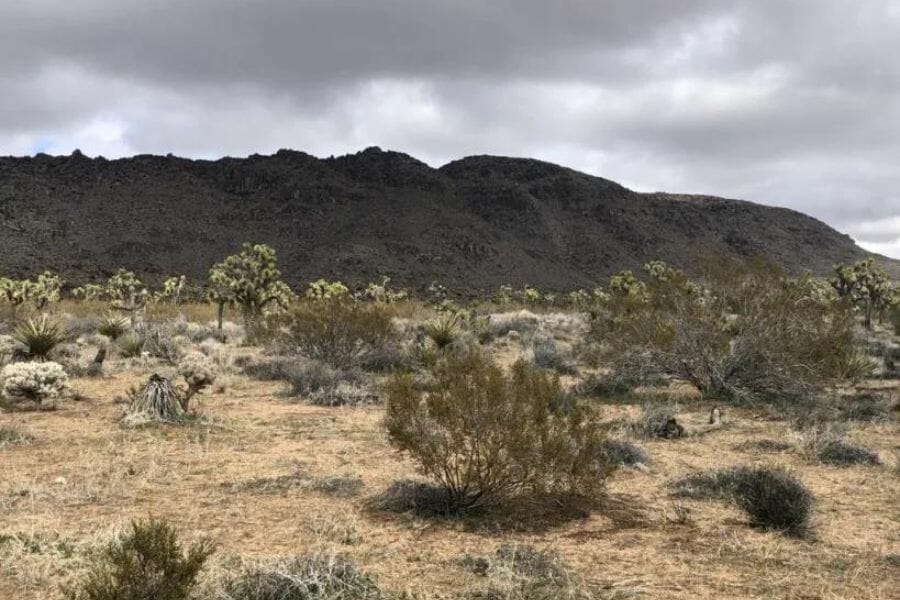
[40,336]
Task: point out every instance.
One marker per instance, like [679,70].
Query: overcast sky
[792,103]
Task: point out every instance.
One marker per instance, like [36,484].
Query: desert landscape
[287,461]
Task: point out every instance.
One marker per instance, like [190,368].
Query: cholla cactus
[625,283]
[37,381]
[251,280]
[90,291]
[199,371]
[383,293]
[530,295]
[327,290]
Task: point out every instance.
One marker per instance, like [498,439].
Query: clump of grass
[338,485]
[764,445]
[773,498]
[520,572]
[840,453]
[311,577]
[148,562]
[11,436]
[620,452]
[865,408]
[131,345]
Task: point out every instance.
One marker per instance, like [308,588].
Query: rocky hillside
[474,223]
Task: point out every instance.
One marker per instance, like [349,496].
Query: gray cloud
[787,102]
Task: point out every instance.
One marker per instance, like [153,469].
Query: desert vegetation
[728,433]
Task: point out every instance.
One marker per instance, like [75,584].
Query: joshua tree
[127,294]
[866,285]
[251,280]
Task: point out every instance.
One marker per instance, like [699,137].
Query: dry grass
[83,477]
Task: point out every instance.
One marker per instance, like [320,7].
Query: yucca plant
[40,336]
[444,331]
[112,326]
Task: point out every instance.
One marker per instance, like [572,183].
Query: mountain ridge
[471,224]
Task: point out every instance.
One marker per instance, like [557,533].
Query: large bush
[748,335]
[39,382]
[148,562]
[486,436]
[340,332]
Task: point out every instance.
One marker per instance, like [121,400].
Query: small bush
[38,382]
[131,345]
[658,421]
[619,452]
[146,563]
[313,577]
[548,355]
[776,500]
[486,436]
[865,408]
[40,336]
[773,498]
[340,332]
[840,453]
[160,342]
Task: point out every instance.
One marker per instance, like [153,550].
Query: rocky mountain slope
[474,223]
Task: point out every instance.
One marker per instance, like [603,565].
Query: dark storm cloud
[794,103]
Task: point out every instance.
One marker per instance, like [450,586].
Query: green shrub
[147,563]
[486,436]
[314,577]
[340,332]
[40,336]
[773,498]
